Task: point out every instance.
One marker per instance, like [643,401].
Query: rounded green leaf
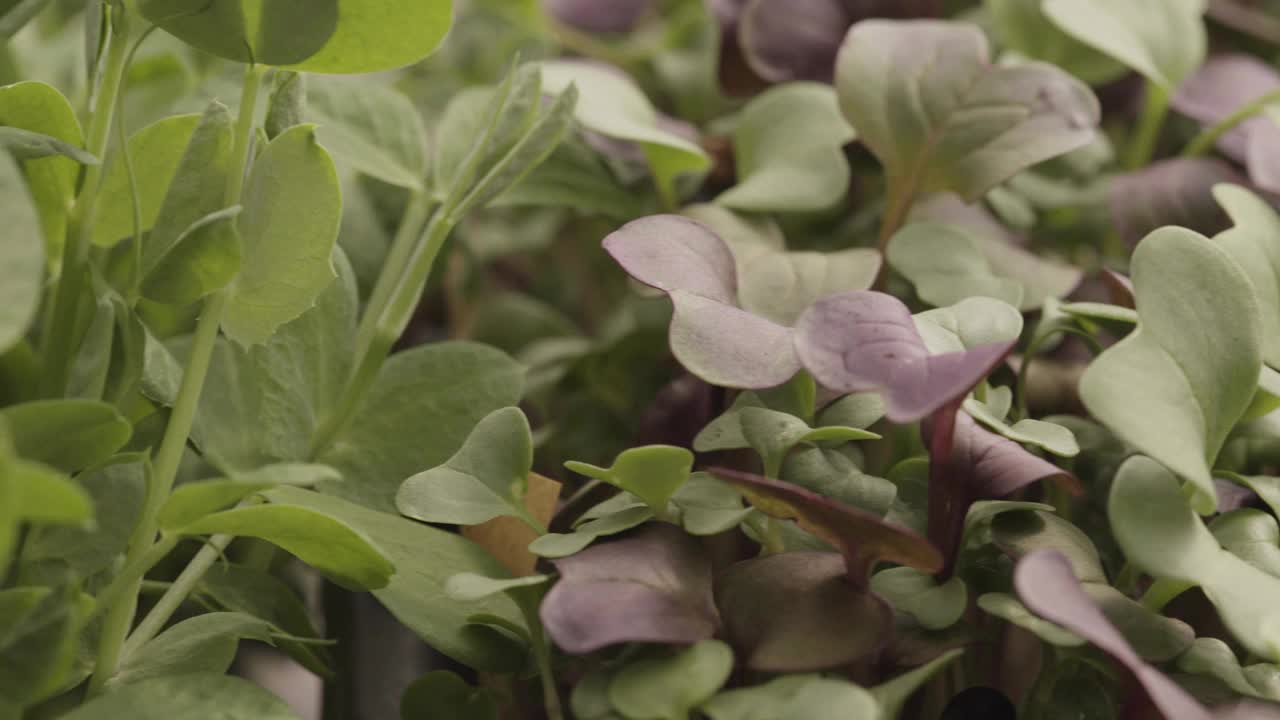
[319,36]
[1023,27]
[934,605]
[442,695]
[1251,243]
[812,697]
[1009,609]
[22,256]
[652,473]
[156,152]
[1164,40]
[203,259]
[67,434]
[371,126]
[670,688]
[196,696]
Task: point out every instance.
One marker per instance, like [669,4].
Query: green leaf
[1161,39]
[652,473]
[892,695]
[1160,534]
[318,36]
[38,655]
[292,212]
[27,145]
[37,107]
[780,285]
[22,256]
[968,324]
[195,696]
[418,413]
[202,644]
[479,126]
[469,587]
[669,688]
[1023,27]
[1251,535]
[1045,435]
[708,506]
[288,104]
[574,176]
[322,541]
[934,605]
[836,472]
[1007,607]
[812,697]
[117,493]
[195,192]
[156,152]
[191,501]
[929,105]
[442,695]
[788,151]
[611,104]
[425,558]
[556,545]
[1177,385]
[203,259]
[485,479]
[1250,243]
[774,434]
[372,127]
[16,604]
[67,434]
[1212,657]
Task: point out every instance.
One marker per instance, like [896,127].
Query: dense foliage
[645,359]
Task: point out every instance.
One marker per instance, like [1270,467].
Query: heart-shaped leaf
[651,586]
[925,99]
[787,151]
[934,605]
[485,479]
[670,688]
[292,211]
[1045,582]
[828,622]
[862,341]
[1250,244]
[1049,436]
[652,473]
[779,285]
[1177,385]
[556,545]
[861,537]
[1160,533]
[1164,41]
[1251,535]
[321,36]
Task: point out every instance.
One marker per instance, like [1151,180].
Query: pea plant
[640,359]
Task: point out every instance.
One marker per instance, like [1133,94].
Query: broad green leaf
[38,655]
[318,36]
[892,695]
[556,545]
[1178,383]
[836,472]
[788,151]
[322,541]
[1251,535]
[288,106]
[1164,40]
[781,285]
[927,102]
[16,604]
[1251,243]
[708,506]
[1023,27]
[205,643]
[425,558]
[774,434]
[442,695]
[948,263]
[1267,488]
[38,107]
[652,473]
[470,586]
[968,324]
[418,413]
[34,492]
[812,697]
[574,176]
[1160,533]
[67,434]
[28,145]
[203,259]
[934,605]
[670,688]
[485,479]
[196,191]
[1007,607]
[117,492]
[22,256]
[292,212]
[194,696]
[191,501]
[611,104]
[156,152]
[370,126]
[1048,436]
[1212,657]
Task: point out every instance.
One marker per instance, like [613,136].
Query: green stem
[58,341]
[415,216]
[897,203]
[1161,592]
[176,594]
[1204,142]
[1143,145]
[165,467]
[132,573]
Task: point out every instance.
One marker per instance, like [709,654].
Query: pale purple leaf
[1176,191]
[863,538]
[865,341]
[653,585]
[1048,587]
[797,612]
[1224,84]
[601,16]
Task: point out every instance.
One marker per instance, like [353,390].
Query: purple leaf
[654,585]
[1120,288]
[975,464]
[864,539]
[600,16]
[797,612]
[1223,85]
[862,341]
[1176,191]
[1046,584]
[710,335]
